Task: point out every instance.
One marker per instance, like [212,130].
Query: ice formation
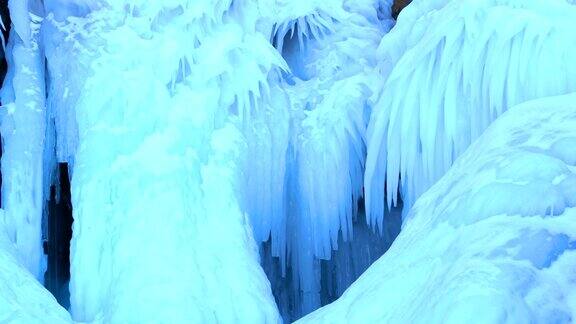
[156,215]
[481,58]
[22,297]
[493,241]
[23,131]
[302,192]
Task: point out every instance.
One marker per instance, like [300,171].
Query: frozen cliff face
[492,241]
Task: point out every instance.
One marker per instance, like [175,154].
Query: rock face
[493,241]
[397,7]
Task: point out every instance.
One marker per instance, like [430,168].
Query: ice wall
[492,241]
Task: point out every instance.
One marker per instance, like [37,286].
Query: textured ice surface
[492,241]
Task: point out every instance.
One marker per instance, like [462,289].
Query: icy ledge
[493,241]
[22,298]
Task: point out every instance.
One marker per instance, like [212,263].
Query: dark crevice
[5,15]
[57,245]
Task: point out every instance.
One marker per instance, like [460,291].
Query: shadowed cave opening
[59,234]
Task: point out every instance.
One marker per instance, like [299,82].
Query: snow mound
[452,67]
[492,241]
